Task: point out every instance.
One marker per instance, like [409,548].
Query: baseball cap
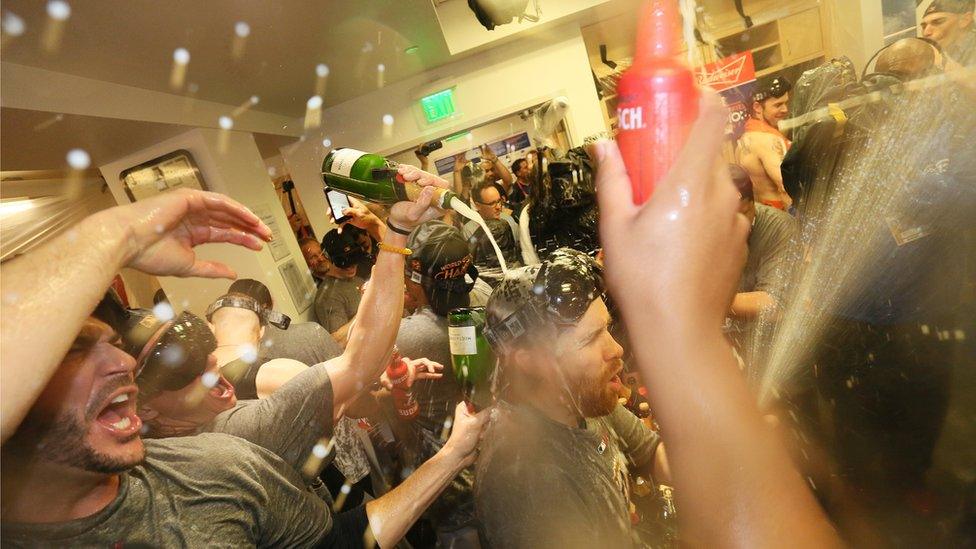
[343,248]
[775,86]
[442,264]
[169,355]
[951,6]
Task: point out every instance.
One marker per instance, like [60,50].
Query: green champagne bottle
[373,178]
[471,356]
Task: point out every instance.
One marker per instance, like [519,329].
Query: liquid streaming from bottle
[460,207]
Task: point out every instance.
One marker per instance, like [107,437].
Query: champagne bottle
[471,356]
[373,178]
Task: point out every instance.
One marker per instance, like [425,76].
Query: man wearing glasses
[554,469]
[762,147]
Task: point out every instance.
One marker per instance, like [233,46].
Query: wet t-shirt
[542,484]
[208,490]
[289,422]
[336,301]
[424,335]
[306,342]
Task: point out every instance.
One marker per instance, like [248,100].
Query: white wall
[856,29]
[488,86]
[239,172]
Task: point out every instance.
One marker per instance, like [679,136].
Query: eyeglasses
[491,204]
[563,289]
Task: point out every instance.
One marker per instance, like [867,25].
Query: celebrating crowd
[623,336]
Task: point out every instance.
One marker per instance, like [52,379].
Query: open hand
[162,232]
[417,369]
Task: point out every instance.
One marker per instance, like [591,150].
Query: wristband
[396,229]
[388,248]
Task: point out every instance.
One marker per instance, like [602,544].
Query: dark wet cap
[442,263]
[253,288]
[174,355]
[343,248]
[771,87]
[951,6]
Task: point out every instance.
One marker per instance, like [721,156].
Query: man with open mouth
[560,434]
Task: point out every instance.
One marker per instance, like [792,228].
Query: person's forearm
[748,305]
[394,513]
[504,174]
[341,335]
[458,182]
[373,333]
[47,295]
[723,450]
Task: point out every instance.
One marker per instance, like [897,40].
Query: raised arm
[391,515]
[735,482]
[70,273]
[371,336]
[500,168]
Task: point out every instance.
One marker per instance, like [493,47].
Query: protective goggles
[563,289]
[775,88]
[266,315]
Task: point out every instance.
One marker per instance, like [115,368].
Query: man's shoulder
[774,218]
[203,446]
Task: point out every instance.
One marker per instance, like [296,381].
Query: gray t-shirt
[289,422]
[424,335]
[336,301]
[306,342]
[209,490]
[771,247]
[540,483]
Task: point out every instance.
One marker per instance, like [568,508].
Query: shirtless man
[762,147]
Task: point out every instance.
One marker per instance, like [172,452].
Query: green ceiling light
[411,50]
[438,106]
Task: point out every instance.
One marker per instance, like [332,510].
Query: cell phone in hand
[338,203]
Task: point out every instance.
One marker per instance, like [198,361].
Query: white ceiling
[132,42]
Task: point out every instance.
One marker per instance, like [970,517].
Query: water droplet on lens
[163,311]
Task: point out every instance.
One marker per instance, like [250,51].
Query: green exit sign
[438,106]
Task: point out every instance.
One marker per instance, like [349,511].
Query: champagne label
[463,340]
[343,159]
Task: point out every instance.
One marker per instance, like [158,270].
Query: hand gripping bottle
[658,100]
[406,406]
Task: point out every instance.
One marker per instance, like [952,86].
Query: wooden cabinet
[801,36]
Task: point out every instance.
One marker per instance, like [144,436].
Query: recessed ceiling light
[411,50]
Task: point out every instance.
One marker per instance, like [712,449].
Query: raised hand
[162,232]
[690,230]
[467,432]
[408,215]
